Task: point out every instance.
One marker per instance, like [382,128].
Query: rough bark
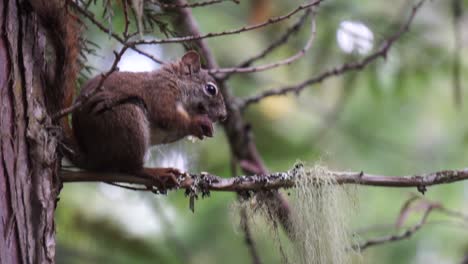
[28,162]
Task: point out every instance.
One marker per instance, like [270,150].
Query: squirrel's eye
[211,89]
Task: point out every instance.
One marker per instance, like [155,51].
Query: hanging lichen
[320,216]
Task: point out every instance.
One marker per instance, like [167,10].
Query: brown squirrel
[113,130]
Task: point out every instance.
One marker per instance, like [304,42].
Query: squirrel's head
[201,94]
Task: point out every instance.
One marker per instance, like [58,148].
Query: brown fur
[114,134]
[114,129]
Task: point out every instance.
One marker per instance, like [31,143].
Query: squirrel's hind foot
[164,178]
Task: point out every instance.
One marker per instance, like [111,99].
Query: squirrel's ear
[191,62]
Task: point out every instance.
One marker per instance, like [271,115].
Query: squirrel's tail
[62,28]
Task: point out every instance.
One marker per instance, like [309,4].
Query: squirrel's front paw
[100,102]
[201,125]
[106,100]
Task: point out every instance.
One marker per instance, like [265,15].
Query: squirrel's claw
[164,178]
[100,102]
[201,126]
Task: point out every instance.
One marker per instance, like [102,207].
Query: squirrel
[113,130]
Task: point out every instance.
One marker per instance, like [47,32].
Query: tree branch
[272,65]
[274,181]
[270,21]
[353,66]
[275,44]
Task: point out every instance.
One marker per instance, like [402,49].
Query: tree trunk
[28,159]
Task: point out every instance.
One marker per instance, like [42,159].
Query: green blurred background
[396,117]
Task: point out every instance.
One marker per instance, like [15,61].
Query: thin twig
[332,117]
[272,65]
[392,238]
[429,206]
[275,44]
[84,97]
[100,26]
[129,187]
[127,20]
[270,21]
[248,237]
[457,11]
[353,66]
[244,222]
[192,5]
[391,226]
